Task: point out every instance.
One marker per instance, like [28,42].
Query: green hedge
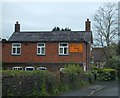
[106,74]
[39,83]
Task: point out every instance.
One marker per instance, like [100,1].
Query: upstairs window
[63,48]
[41,49]
[16,48]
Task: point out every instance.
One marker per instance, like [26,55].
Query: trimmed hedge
[106,74]
[28,83]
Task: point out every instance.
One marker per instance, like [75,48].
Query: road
[107,88]
[111,89]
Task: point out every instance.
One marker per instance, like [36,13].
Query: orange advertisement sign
[75,47]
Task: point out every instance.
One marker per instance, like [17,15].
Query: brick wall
[29,54]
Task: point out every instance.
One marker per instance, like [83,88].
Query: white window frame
[16,68]
[63,48]
[40,47]
[29,67]
[16,49]
[41,68]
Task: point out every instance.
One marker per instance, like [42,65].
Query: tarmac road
[111,89]
[107,88]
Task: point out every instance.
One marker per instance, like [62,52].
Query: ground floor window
[41,68]
[29,68]
[17,68]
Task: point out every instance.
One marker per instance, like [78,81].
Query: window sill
[63,54]
[16,54]
[40,54]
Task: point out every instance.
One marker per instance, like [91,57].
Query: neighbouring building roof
[51,36]
[98,54]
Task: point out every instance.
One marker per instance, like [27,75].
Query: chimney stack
[17,27]
[87,25]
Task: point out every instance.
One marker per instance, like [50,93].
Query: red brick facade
[29,54]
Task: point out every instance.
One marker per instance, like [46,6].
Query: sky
[44,16]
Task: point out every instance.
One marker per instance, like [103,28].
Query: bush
[73,68]
[90,76]
[114,63]
[75,77]
[106,74]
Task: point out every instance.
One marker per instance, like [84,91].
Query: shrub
[90,76]
[75,77]
[113,63]
[106,74]
[73,68]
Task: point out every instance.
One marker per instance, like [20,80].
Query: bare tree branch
[105,26]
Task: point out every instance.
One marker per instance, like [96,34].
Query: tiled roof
[67,36]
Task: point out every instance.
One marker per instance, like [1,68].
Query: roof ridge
[47,31]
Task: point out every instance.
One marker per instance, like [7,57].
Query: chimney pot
[16,22]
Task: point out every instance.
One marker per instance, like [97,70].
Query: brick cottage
[48,49]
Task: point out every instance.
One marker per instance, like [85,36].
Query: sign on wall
[76,47]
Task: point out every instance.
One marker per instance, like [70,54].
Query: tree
[58,29]
[106,27]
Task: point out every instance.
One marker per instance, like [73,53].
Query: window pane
[19,68]
[38,50]
[41,44]
[63,44]
[65,50]
[16,44]
[29,68]
[18,50]
[61,50]
[42,50]
[14,50]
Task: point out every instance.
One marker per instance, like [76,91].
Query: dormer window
[16,48]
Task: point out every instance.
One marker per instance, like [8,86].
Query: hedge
[28,83]
[106,74]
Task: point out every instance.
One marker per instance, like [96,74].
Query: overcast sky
[43,16]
